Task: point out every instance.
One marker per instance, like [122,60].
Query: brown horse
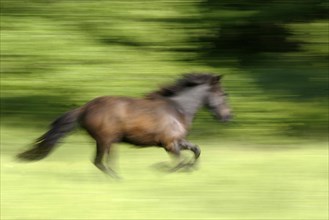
[161,118]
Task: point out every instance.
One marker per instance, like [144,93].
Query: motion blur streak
[269,162]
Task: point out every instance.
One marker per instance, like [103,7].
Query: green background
[270,162]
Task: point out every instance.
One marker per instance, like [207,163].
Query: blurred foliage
[56,55]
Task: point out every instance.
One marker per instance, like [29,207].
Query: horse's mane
[188,80]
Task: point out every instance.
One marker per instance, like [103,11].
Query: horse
[161,118]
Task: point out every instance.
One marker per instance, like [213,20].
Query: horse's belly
[159,133]
[141,139]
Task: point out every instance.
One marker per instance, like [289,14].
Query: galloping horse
[161,118]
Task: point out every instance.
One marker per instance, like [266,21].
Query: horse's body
[162,119]
[143,122]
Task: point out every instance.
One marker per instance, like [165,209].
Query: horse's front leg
[186,145]
[174,149]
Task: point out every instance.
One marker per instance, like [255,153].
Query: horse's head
[216,100]
[194,90]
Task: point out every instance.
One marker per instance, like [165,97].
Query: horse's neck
[190,100]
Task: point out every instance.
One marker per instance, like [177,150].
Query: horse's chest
[174,127]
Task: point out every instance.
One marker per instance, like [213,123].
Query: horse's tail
[46,143]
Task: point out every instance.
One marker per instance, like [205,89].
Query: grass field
[234,180]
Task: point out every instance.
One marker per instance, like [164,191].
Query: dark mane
[188,80]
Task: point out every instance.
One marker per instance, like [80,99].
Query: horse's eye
[225,94]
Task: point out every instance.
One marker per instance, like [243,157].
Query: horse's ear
[219,77]
[216,79]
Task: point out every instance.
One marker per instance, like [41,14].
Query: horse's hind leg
[102,154]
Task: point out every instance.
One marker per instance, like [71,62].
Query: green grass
[234,180]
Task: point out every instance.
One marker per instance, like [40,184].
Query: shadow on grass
[28,110]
